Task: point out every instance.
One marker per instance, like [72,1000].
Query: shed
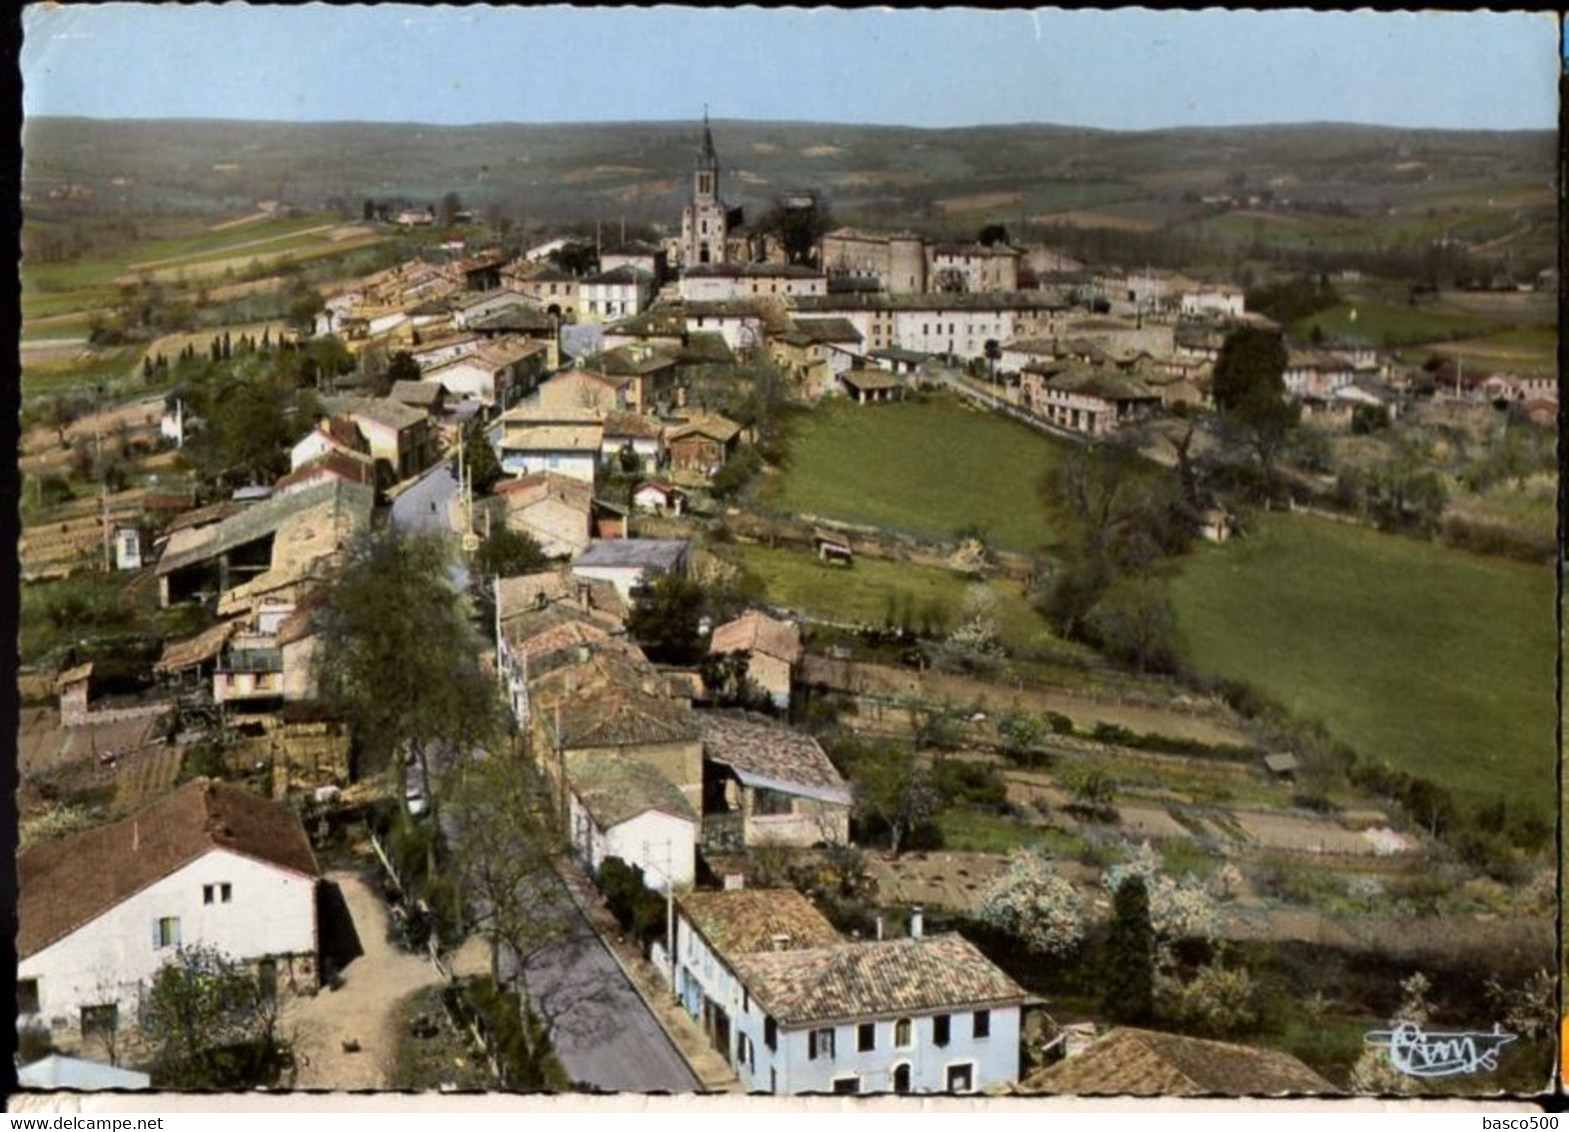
[1282,765]
[831,547]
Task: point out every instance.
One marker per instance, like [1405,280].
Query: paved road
[603,1034]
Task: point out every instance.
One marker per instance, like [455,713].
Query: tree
[1373,1071]
[1033,904]
[1250,390]
[798,228]
[247,432]
[479,455]
[893,791]
[399,658]
[504,840]
[664,619]
[1216,1002]
[1179,909]
[577,258]
[508,553]
[304,305]
[451,205]
[993,350]
[1129,995]
[992,234]
[1133,622]
[212,1023]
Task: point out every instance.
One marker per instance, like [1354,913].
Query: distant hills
[940,178]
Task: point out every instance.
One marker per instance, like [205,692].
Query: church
[709,227]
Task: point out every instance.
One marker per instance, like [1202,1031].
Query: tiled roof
[381,410]
[871,379]
[948,301]
[516,317]
[422,393]
[525,491]
[714,427]
[555,438]
[342,508]
[64,884]
[768,754]
[614,789]
[1108,385]
[543,633]
[632,425]
[622,717]
[527,592]
[758,633]
[350,466]
[1149,1063]
[885,977]
[195,650]
[655,553]
[742,921]
[828,329]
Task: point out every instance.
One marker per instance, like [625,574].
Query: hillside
[1414,182]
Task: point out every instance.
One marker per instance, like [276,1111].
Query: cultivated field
[929,469]
[1430,659]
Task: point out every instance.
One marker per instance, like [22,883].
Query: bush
[970,784]
[1060,724]
[640,912]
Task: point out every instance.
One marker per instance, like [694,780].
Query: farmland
[1432,660]
[926,468]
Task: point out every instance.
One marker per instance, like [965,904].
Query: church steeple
[705,178]
[706,156]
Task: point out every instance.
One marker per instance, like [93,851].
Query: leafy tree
[304,305]
[992,234]
[212,1024]
[1129,995]
[727,679]
[1250,390]
[1133,622]
[508,553]
[1020,734]
[1179,909]
[479,456]
[399,657]
[402,367]
[451,205]
[576,258]
[893,791]
[247,432]
[1033,904]
[1216,1002]
[664,619]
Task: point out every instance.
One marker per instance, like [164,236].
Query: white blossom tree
[1179,908]
[1032,903]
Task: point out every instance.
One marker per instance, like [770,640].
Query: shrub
[1060,724]
[971,784]
[639,911]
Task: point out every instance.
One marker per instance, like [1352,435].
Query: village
[476,684]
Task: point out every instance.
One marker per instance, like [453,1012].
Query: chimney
[781,942]
[136,834]
[734,882]
[917,922]
[584,596]
[879,926]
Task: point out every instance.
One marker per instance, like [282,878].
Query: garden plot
[1296,834]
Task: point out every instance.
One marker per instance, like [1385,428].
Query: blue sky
[1128,69]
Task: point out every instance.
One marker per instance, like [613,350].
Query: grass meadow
[1430,659]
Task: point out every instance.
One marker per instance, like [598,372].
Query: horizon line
[611,122]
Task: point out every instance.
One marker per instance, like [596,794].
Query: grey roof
[614,790]
[417,392]
[766,754]
[948,301]
[655,553]
[382,410]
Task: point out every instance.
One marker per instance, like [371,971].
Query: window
[903,1034]
[746,1001]
[847,1086]
[771,802]
[941,1029]
[983,1024]
[27,996]
[773,1080]
[770,1033]
[820,1043]
[103,1019]
[166,932]
[217,893]
[866,1037]
[961,1077]
[743,1052]
[901,1077]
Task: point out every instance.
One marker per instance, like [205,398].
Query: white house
[795,1008]
[1218,300]
[628,563]
[717,282]
[101,912]
[565,441]
[620,293]
[624,808]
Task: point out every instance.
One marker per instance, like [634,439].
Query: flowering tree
[1179,909]
[1032,903]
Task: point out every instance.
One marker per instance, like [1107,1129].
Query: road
[603,1034]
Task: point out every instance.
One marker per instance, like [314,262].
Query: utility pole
[103,493]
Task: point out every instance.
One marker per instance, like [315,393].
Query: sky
[1124,70]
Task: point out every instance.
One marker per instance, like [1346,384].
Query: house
[401,440]
[627,809]
[895,261]
[563,440]
[272,547]
[630,563]
[1213,301]
[497,374]
[743,323]
[337,464]
[331,434]
[767,784]
[428,397]
[1316,373]
[972,267]
[717,282]
[539,614]
[955,324]
[555,510]
[652,373]
[619,293]
[1093,400]
[815,351]
[642,436]
[795,1008]
[519,319]
[553,290]
[773,649]
[1146,1063]
[100,912]
[659,496]
[702,445]
[871,386]
[133,544]
[579,388]
[648,259]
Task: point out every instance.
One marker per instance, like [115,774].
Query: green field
[1393,324]
[872,589]
[1433,660]
[927,468]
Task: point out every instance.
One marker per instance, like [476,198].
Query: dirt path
[363,1009]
